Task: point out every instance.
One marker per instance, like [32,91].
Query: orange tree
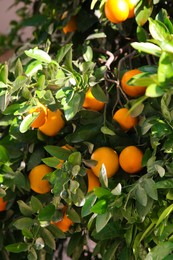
[48,137]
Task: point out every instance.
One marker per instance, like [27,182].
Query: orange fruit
[108,157]
[71,26]
[41,118]
[91,103]
[2,204]
[64,224]
[93,180]
[53,124]
[131,91]
[130,159]
[67,147]
[37,183]
[125,120]
[131,5]
[116,11]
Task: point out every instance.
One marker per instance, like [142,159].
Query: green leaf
[24,222]
[72,106]
[158,30]
[27,233]
[103,176]
[99,94]
[4,95]
[165,67]
[75,158]
[165,184]
[88,53]
[86,209]
[51,161]
[142,34]
[154,90]
[24,208]
[111,251]
[48,238]
[58,152]
[110,231]
[143,10]
[46,213]
[75,245]
[35,20]
[165,214]
[39,55]
[160,251]
[74,185]
[78,198]
[150,188]
[117,190]
[18,68]
[56,232]
[107,131]
[100,207]
[68,60]
[141,195]
[83,133]
[17,247]
[73,215]
[36,204]
[147,47]
[62,52]
[4,157]
[32,255]
[26,123]
[102,220]
[33,68]
[166,99]
[102,192]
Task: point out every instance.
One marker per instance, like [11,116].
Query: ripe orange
[41,118]
[108,157]
[116,11]
[90,102]
[37,183]
[3,204]
[64,224]
[71,26]
[130,159]
[131,91]
[131,5]
[53,124]
[125,120]
[93,180]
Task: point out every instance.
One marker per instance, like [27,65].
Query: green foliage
[127,216]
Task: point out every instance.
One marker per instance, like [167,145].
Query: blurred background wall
[6,15]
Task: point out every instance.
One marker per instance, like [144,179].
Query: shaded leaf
[102,220]
[17,247]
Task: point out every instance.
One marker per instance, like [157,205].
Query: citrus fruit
[37,183]
[41,118]
[64,224]
[2,204]
[108,157]
[93,180]
[91,103]
[125,120]
[131,91]
[130,159]
[131,5]
[53,124]
[116,11]
[71,26]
